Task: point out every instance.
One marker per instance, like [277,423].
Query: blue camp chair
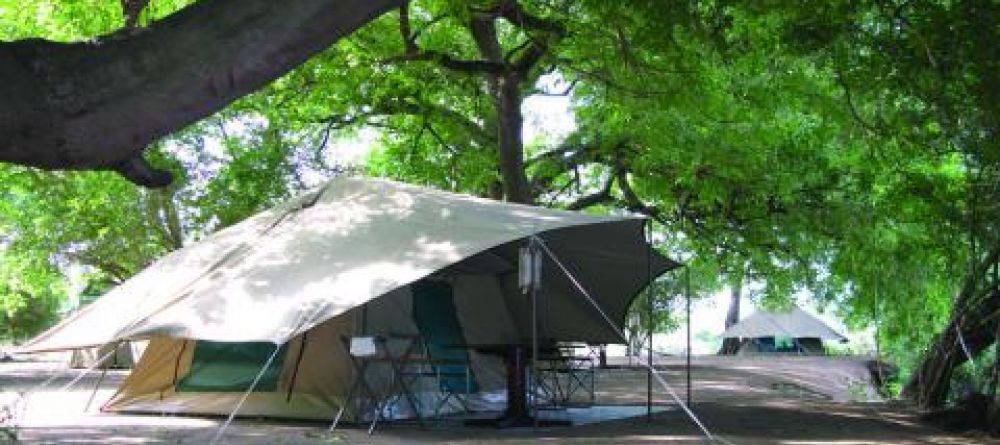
[444,343]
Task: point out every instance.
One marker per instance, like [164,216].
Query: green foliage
[846,150]
[72,20]
[53,220]
[29,295]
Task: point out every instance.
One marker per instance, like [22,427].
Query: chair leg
[343,406]
[375,418]
[440,404]
[589,384]
[336,420]
[463,403]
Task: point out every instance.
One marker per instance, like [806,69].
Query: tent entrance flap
[437,319]
[232,367]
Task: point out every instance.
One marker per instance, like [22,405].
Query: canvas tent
[790,331]
[342,260]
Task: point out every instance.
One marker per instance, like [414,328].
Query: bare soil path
[787,401]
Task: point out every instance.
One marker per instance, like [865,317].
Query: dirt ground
[744,401]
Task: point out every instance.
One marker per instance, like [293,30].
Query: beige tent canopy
[804,332]
[112,356]
[342,260]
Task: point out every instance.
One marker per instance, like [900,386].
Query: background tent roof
[283,271]
[793,322]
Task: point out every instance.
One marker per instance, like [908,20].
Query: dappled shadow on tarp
[279,274]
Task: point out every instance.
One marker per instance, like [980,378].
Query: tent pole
[621,335]
[177,367]
[687,295]
[298,361]
[93,394]
[246,394]
[649,319]
[100,379]
[533,285]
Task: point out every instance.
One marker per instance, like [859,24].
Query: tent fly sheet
[790,330]
[290,283]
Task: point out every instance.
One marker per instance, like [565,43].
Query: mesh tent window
[232,367]
[785,344]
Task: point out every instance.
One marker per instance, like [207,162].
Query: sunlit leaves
[72,20]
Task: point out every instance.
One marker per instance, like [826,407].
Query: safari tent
[275,297]
[782,331]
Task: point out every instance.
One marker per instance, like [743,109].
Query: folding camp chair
[447,356]
[562,376]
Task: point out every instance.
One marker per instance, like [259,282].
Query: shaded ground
[788,401]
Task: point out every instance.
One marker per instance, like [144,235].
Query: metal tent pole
[97,386]
[100,380]
[649,320]
[687,294]
[533,254]
[246,394]
[621,335]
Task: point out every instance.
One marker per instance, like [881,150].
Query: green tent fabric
[232,367]
[437,319]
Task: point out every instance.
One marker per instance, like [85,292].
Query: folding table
[366,351]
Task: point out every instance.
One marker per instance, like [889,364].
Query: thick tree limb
[505,78]
[451,63]
[974,332]
[514,13]
[634,203]
[405,30]
[97,105]
[412,52]
[506,91]
[599,197]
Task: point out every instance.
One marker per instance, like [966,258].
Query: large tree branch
[599,197]
[408,106]
[449,62]
[514,13]
[405,30]
[506,92]
[98,104]
[412,52]
[537,46]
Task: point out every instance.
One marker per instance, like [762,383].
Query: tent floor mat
[559,417]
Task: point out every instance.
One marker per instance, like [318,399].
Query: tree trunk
[731,345]
[98,104]
[510,123]
[930,384]
[505,88]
